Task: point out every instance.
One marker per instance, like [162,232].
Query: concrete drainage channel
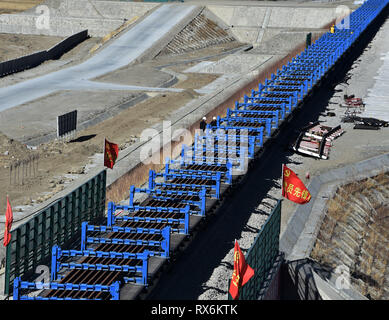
[298,239]
[289,118]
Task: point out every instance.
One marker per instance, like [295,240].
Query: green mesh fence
[58,224]
[262,255]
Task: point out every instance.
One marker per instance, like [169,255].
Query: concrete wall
[282,42]
[249,24]
[303,226]
[59,26]
[68,17]
[93,9]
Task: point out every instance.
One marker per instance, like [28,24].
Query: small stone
[77,170]
[58,188]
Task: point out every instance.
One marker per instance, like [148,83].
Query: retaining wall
[250,24]
[68,17]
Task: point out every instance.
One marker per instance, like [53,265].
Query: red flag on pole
[8,224]
[111,152]
[293,188]
[242,272]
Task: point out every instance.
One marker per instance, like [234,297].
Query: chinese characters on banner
[293,188]
[242,272]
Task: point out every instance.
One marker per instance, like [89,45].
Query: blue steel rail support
[168,194]
[113,289]
[164,244]
[226,173]
[231,137]
[256,132]
[215,177]
[213,143]
[112,218]
[57,253]
[189,156]
[241,113]
[233,122]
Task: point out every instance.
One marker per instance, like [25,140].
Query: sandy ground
[58,159]
[14,46]
[74,56]
[358,206]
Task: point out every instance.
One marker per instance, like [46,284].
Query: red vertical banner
[242,272]
[293,188]
[111,152]
[8,224]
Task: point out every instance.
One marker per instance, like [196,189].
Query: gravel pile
[215,288]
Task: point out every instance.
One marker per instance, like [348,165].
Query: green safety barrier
[59,224]
[261,255]
[308,40]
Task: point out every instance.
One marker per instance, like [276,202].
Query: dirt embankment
[14,6]
[18,45]
[57,159]
[355,233]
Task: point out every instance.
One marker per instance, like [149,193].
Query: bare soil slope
[355,233]
[13,6]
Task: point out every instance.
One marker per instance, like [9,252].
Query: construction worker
[213,124]
[203,123]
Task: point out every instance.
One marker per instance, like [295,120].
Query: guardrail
[194,181]
[112,290]
[196,198]
[100,263]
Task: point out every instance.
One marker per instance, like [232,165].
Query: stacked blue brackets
[141,228]
[120,253]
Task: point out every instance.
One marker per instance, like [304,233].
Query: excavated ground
[58,162]
[355,233]
[17,45]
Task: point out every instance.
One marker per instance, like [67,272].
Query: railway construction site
[299,83]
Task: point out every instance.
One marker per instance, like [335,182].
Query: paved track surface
[124,50]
